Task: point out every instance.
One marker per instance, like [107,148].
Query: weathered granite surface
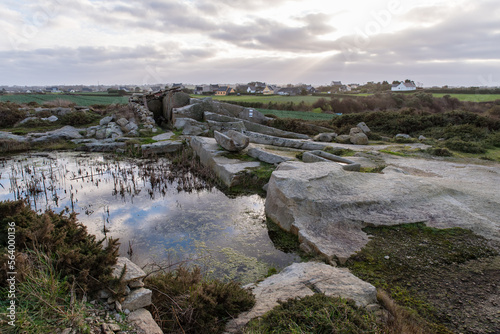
[327,206]
[226,169]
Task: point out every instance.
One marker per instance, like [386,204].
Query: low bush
[317,313]
[36,123]
[185,303]
[76,254]
[439,152]
[10,114]
[78,118]
[493,139]
[459,145]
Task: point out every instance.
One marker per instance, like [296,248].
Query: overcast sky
[433,42]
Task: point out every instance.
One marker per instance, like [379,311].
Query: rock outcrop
[328,207]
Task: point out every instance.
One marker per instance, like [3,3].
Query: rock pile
[135,298]
[146,117]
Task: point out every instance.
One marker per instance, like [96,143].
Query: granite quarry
[322,198]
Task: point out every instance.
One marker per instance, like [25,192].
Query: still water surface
[145,206]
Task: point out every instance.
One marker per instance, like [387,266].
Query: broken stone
[122,122]
[359,139]
[143,320]
[232,141]
[133,272]
[268,157]
[106,120]
[343,139]
[137,299]
[325,137]
[366,130]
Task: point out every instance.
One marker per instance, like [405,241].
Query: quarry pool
[159,217]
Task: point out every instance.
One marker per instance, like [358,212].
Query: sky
[433,42]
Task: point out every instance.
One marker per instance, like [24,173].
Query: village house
[403,86]
[224,90]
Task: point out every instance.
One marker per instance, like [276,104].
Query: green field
[472,97]
[81,100]
[304,115]
[267,98]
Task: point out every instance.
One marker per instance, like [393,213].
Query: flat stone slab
[10,136]
[163,136]
[328,207]
[228,170]
[66,132]
[161,147]
[305,279]
[259,138]
[266,156]
[322,156]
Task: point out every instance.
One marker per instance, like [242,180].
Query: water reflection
[144,204]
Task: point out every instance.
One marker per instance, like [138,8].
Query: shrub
[493,139]
[185,303]
[439,152]
[74,252]
[7,145]
[10,114]
[463,146]
[77,118]
[319,312]
[35,123]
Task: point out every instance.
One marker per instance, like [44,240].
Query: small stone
[387,257]
[118,306]
[114,327]
[136,284]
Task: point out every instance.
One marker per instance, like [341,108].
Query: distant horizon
[434,42]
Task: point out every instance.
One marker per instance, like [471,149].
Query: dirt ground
[450,277]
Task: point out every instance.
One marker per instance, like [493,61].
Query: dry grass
[400,320]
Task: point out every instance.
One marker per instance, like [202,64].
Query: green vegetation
[411,262]
[472,97]
[316,314]
[283,240]
[253,179]
[185,303]
[81,99]
[45,300]
[76,253]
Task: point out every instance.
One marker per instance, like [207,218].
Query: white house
[404,86]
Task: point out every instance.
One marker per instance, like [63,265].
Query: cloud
[238,41]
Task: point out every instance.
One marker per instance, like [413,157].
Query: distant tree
[395,82]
